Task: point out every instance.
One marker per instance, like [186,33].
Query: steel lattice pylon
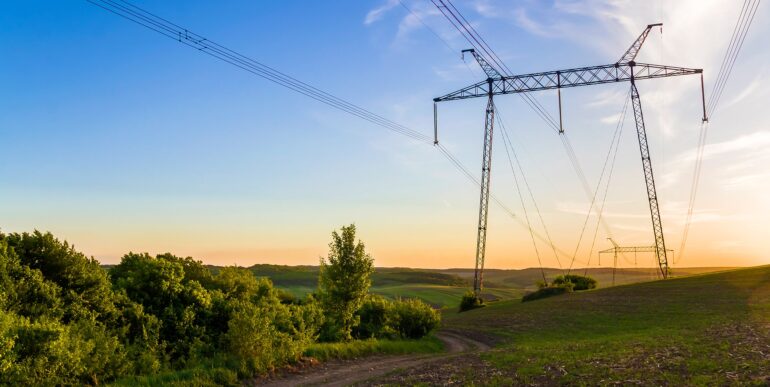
[624,70]
[486,165]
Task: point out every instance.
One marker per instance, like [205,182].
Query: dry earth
[374,370]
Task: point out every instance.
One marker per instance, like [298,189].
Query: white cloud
[747,92]
[611,119]
[757,141]
[377,13]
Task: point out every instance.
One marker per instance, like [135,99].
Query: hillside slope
[711,329]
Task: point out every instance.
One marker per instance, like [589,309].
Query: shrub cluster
[578,282]
[470,301]
[546,292]
[560,285]
[65,321]
[403,318]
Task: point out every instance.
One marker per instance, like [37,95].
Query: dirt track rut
[365,370]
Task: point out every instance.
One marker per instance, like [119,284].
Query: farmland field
[711,329]
[443,288]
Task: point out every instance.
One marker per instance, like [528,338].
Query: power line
[507,141]
[202,44]
[416,16]
[466,29]
[521,199]
[745,20]
[471,35]
[188,38]
[618,134]
[740,30]
[598,186]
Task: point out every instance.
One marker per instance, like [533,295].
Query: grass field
[711,329]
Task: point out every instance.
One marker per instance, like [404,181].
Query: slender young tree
[344,281]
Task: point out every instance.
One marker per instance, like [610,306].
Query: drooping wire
[734,48]
[740,30]
[470,34]
[187,37]
[509,144]
[521,200]
[596,191]
[618,134]
[693,188]
[416,16]
[456,163]
[466,29]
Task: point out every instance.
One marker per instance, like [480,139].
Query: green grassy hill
[526,278]
[711,329]
[443,288]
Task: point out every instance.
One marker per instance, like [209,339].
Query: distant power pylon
[625,69]
[617,249]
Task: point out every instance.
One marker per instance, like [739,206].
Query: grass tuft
[358,348]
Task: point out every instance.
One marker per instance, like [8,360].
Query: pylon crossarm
[583,76]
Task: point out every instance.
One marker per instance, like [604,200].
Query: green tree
[182,305]
[344,282]
[85,290]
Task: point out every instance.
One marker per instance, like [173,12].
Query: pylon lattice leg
[486,165]
[657,224]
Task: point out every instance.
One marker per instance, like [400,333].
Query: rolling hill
[711,329]
[443,288]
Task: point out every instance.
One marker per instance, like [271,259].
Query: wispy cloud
[757,141]
[377,13]
[611,119]
[752,88]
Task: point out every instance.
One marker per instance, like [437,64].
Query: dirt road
[347,372]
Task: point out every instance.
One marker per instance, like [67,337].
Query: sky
[117,139]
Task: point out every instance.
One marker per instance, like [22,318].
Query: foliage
[343,283]
[470,301]
[61,321]
[413,319]
[47,352]
[375,318]
[169,320]
[548,291]
[255,340]
[86,291]
[161,286]
[578,282]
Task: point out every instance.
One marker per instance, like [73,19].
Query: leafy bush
[470,301]
[413,319]
[547,292]
[50,353]
[86,290]
[579,282]
[182,304]
[375,317]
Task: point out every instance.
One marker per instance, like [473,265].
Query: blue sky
[118,139]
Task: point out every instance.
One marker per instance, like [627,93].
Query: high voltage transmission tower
[625,249]
[625,69]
